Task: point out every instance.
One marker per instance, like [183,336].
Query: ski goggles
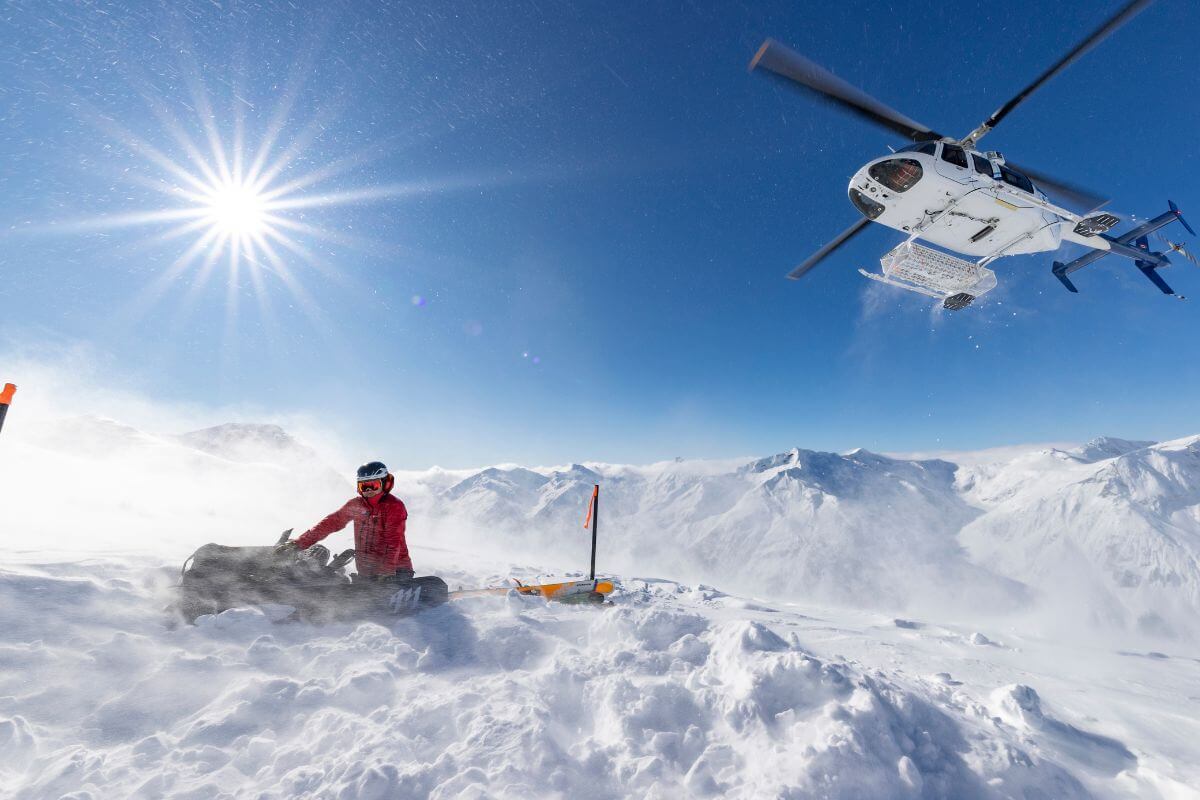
[370,486]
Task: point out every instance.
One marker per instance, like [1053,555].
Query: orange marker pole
[6,397]
[593,516]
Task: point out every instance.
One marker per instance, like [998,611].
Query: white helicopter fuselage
[961,200]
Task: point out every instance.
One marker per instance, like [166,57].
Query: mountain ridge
[841,527]
[1113,540]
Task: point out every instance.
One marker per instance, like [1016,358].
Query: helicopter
[949,193]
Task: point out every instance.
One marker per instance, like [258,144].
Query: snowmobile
[219,577]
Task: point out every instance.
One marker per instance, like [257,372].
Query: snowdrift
[675,692]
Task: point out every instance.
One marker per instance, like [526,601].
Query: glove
[341,559]
[287,548]
[406,599]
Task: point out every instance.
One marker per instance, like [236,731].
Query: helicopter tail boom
[1134,245]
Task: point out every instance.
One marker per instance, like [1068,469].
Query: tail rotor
[1177,247]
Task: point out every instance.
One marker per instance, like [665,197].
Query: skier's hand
[287,548]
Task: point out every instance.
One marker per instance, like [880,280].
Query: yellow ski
[563,591]
[592,590]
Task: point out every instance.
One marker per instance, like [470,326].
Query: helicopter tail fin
[1150,271]
[1149,268]
[1179,216]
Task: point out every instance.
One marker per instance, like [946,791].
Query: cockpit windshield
[928,148]
[897,174]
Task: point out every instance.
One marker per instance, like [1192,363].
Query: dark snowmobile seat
[218,577]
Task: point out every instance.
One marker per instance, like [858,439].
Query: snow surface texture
[678,690]
[675,691]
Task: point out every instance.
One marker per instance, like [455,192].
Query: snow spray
[6,397]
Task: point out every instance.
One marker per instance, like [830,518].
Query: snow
[801,625]
[1117,539]
[90,484]
[674,691]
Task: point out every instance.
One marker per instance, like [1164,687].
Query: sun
[236,209]
[241,206]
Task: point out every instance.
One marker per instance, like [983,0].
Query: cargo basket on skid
[931,272]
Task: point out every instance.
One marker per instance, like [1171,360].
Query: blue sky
[579,221]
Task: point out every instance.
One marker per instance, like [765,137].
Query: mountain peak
[1103,448]
[240,441]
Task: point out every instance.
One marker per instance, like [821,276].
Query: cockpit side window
[953,154]
[982,165]
[928,148]
[1016,179]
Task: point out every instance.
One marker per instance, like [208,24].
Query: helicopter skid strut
[924,270]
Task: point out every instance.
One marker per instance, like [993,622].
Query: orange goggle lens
[370,486]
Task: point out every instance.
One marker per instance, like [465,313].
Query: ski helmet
[372,470]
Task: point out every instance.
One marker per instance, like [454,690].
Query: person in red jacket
[379,518]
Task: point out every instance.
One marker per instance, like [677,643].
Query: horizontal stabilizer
[1134,244]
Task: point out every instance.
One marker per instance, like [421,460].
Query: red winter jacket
[379,545]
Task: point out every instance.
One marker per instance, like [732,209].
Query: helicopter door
[952,162]
[984,169]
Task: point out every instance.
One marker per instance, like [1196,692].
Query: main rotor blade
[843,237]
[1130,10]
[786,63]
[1084,199]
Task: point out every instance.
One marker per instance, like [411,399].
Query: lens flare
[240,206]
[237,209]
[243,206]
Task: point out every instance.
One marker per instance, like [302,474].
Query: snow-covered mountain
[1106,447]
[797,524]
[1108,532]
[1115,539]
[244,443]
[90,484]
[237,441]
